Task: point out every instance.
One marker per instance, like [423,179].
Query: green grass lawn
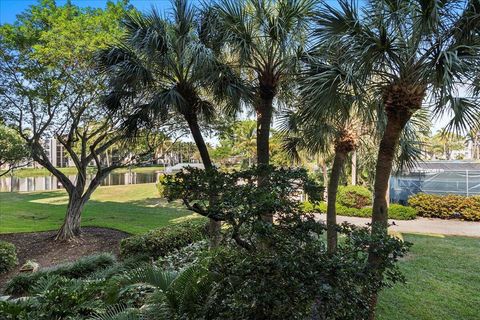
[131,208]
[39,172]
[443,275]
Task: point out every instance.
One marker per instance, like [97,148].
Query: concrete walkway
[421,225]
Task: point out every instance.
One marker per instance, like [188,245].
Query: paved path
[422,225]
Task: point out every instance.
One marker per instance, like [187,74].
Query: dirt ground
[43,249]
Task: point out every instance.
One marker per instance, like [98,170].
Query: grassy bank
[443,281]
[39,172]
[131,208]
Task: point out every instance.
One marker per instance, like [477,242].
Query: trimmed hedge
[395,211]
[446,206]
[354,196]
[162,241]
[8,256]
[83,267]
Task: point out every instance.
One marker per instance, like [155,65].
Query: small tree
[49,90]
[13,152]
[241,200]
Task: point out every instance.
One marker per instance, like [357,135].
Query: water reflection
[29,184]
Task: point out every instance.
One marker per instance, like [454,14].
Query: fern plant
[173,295]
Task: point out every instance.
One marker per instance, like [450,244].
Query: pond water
[43,183]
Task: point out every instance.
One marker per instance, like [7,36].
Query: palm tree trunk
[386,154]
[337,167]
[354,168]
[325,179]
[264,119]
[214,227]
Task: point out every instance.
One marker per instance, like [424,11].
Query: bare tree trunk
[71,224]
[337,167]
[214,227]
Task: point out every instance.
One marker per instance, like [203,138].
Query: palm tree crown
[264,39]
[163,63]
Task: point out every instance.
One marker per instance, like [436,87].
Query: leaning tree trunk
[214,227]
[337,167]
[264,119]
[71,224]
[400,101]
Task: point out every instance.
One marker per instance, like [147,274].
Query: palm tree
[265,39]
[407,52]
[316,137]
[164,65]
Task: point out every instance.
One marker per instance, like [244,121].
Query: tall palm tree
[162,63]
[409,53]
[265,39]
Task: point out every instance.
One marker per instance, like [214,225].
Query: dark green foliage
[83,267]
[296,279]
[56,297]
[162,241]
[354,196]
[446,206]
[395,211]
[8,256]
[239,201]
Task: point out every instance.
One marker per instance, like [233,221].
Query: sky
[10,8]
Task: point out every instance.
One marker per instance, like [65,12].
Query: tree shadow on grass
[46,210]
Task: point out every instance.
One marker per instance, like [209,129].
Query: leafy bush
[446,206]
[395,211]
[83,267]
[162,241]
[239,200]
[160,185]
[8,256]
[183,258]
[354,196]
[296,276]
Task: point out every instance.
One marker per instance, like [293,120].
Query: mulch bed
[43,249]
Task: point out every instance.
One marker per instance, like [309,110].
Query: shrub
[8,256]
[183,258]
[295,277]
[395,211]
[83,267]
[354,196]
[160,185]
[159,242]
[446,206]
